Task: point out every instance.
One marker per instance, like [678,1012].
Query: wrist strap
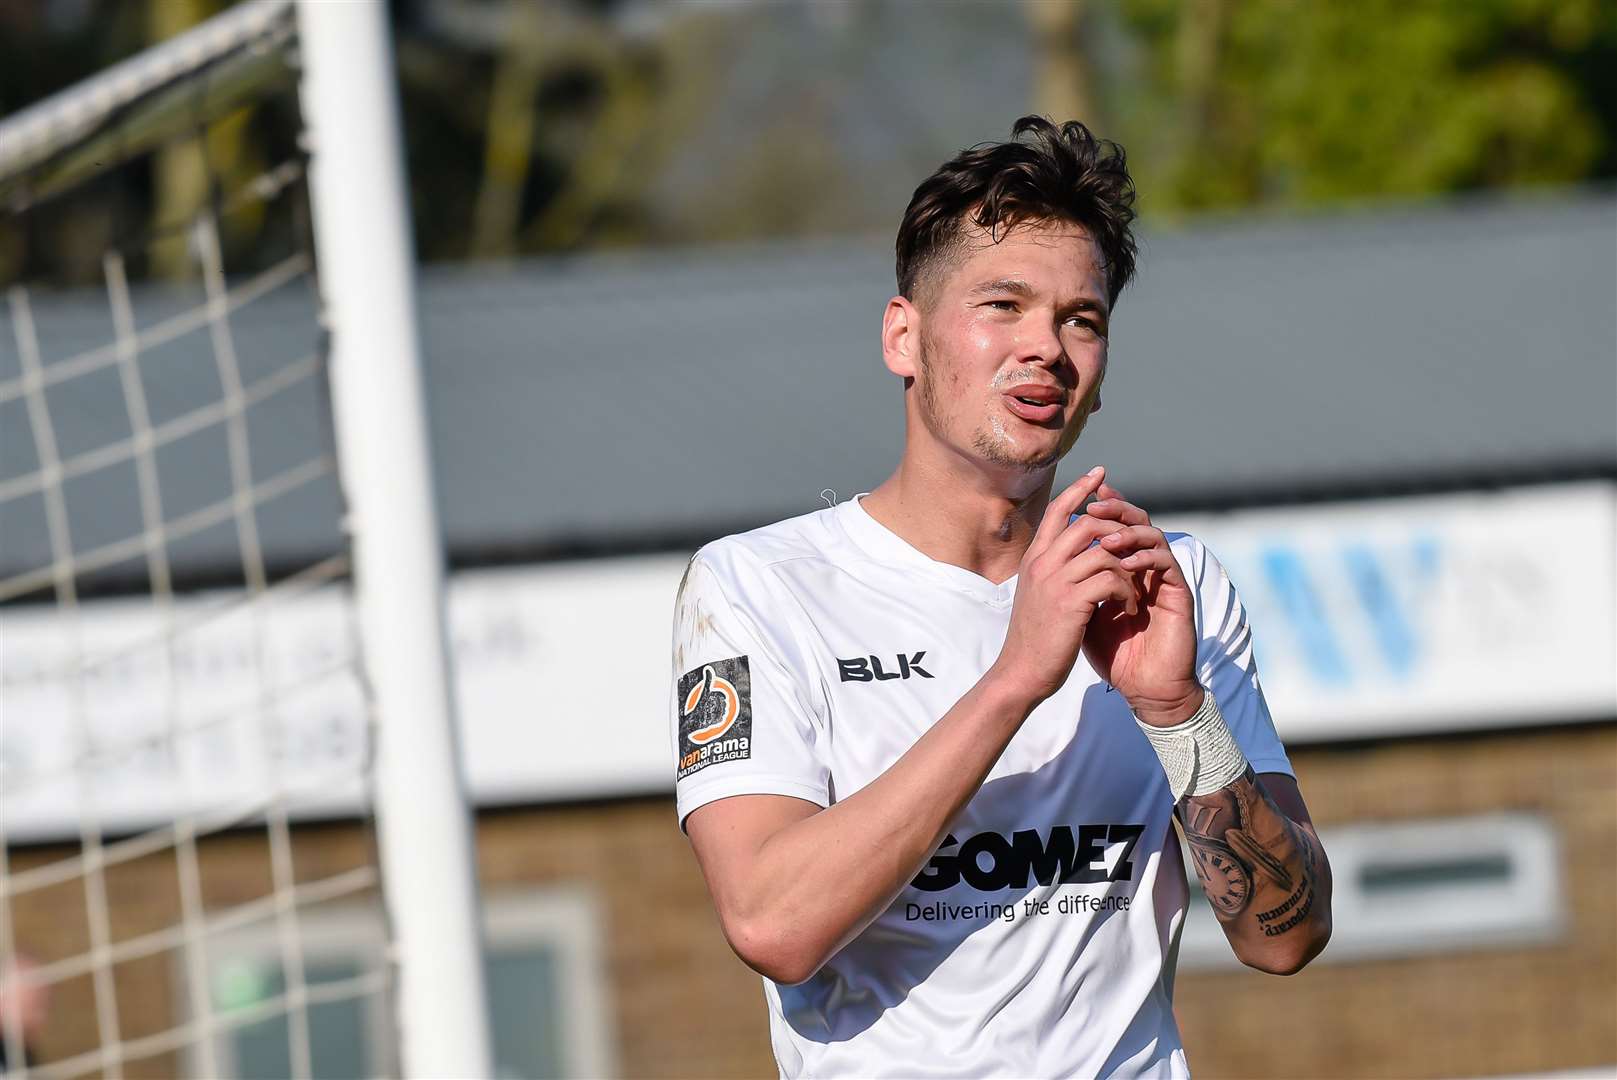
[1199,755]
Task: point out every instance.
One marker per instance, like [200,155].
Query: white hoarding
[1371,619]
[1439,613]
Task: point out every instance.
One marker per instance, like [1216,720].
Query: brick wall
[1472,1013]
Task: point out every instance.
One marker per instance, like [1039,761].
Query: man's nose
[1041,346]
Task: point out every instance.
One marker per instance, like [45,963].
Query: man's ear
[901,337]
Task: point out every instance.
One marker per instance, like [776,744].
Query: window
[1420,886]
[547,1007]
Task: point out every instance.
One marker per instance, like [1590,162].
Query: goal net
[209,427]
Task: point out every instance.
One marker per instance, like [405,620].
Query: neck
[957,513]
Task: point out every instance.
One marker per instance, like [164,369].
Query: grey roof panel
[617,401]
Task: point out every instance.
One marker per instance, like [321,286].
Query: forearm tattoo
[1256,865]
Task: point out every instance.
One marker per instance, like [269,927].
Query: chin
[995,446]
[1030,461]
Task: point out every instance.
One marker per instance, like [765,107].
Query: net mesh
[180,677]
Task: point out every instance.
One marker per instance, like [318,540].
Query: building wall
[1471,1013]
[143,899]
[682,1005]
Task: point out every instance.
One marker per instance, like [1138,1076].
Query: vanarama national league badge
[715,714]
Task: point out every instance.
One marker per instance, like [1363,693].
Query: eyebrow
[1018,287]
[999,285]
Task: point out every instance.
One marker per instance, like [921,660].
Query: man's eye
[1007,303]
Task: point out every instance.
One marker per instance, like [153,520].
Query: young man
[930,740]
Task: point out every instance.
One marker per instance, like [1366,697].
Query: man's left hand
[1148,657]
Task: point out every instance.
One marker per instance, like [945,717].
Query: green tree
[1276,102]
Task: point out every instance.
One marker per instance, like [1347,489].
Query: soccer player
[931,740]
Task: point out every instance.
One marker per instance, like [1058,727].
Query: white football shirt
[1040,939]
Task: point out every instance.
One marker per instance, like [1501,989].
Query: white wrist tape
[1199,755]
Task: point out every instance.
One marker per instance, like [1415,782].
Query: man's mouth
[1038,406]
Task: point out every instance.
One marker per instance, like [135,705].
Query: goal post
[339,54]
[367,279]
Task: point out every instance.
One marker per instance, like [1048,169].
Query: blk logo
[869,668]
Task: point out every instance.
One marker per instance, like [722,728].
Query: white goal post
[366,277]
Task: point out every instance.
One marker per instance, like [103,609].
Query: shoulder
[760,552]
[746,572]
[737,586]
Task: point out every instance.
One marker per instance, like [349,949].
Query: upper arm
[743,716]
[728,834]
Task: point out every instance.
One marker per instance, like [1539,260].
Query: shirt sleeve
[743,718]
[1224,657]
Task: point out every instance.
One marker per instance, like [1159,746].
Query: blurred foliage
[572,124]
[1273,102]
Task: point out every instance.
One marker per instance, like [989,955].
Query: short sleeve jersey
[1040,938]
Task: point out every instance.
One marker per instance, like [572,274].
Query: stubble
[991,440]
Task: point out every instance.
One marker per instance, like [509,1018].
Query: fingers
[1130,540]
[1078,536]
[1110,503]
[1117,508]
[1108,585]
[1063,506]
[1159,559]
[1139,535]
[1128,563]
[1097,568]
[1144,547]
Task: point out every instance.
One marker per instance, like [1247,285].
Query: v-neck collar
[887,546]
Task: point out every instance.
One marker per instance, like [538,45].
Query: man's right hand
[1063,578]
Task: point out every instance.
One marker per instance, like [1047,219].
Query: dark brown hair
[1059,174]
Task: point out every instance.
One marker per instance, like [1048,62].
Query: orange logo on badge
[713,683]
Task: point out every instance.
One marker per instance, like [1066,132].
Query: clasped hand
[1106,583]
